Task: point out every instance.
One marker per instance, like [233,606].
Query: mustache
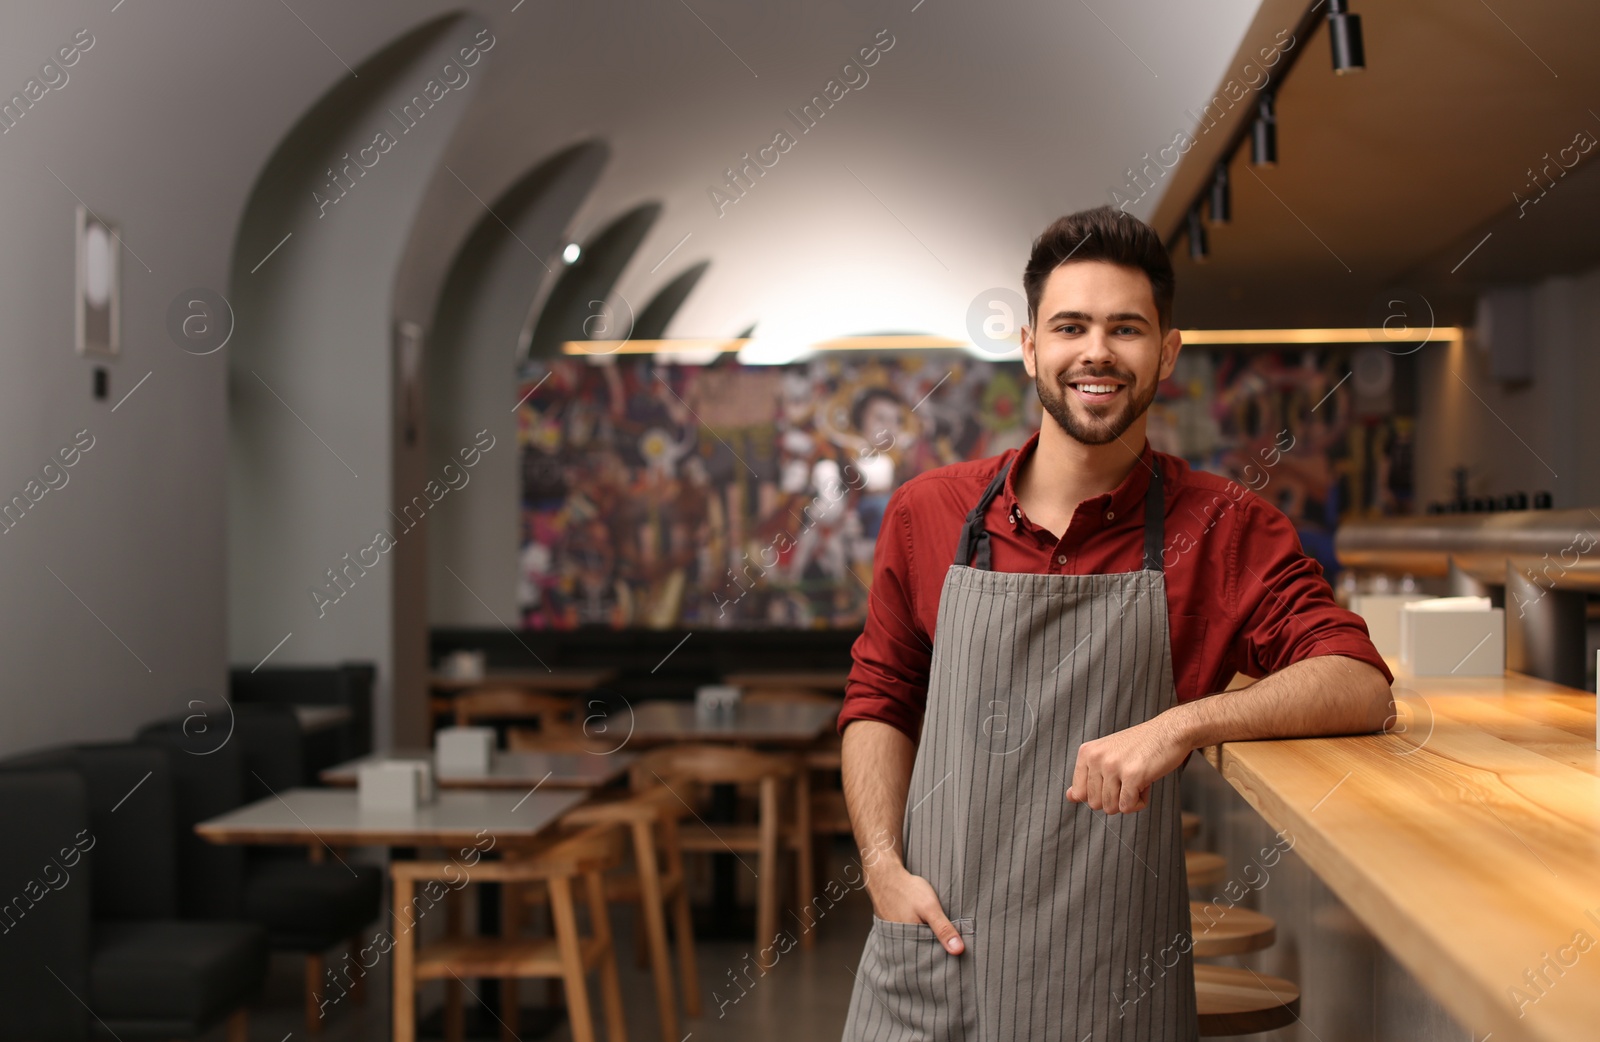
[1112,375]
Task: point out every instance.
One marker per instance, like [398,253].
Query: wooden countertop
[1468,843]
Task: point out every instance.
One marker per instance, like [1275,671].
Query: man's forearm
[1329,694]
[876,763]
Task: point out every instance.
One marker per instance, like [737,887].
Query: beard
[1095,424]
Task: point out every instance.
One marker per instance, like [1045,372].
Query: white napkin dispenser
[464,751]
[1453,636]
[402,785]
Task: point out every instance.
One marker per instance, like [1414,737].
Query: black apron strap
[974,534]
[1155,506]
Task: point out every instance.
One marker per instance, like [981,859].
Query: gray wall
[1536,435]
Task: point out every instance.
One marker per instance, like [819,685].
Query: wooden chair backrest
[552,712]
[788,696]
[709,764]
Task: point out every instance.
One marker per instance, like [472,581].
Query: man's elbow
[1378,700]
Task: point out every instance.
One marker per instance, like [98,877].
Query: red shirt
[1242,597]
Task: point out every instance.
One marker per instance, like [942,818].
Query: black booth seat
[310,907]
[172,979]
[146,973]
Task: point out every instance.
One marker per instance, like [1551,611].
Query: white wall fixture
[99,296]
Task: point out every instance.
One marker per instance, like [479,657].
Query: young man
[1046,633]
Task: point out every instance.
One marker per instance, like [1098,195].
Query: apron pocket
[916,990]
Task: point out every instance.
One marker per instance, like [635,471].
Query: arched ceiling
[919,190]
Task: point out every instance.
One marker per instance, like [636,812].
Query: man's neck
[1063,472]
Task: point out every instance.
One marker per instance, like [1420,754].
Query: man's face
[1096,351]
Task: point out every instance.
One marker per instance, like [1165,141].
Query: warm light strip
[1198,337]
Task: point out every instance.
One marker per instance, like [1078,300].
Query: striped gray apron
[1076,923]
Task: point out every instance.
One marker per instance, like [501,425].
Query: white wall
[161,126]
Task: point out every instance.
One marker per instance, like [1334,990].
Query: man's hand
[901,897]
[1114,773]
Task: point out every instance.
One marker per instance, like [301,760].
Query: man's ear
[1029,360]
[1171,344]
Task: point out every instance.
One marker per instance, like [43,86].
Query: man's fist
[1114,773]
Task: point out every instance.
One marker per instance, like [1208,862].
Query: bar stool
[1219,931]
[706,764]
[568,956]
[1242,1002]
[1204,867]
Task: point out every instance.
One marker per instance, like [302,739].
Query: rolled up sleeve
[888,679]
[1284,608]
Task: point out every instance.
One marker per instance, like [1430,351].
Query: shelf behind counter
[1467,841]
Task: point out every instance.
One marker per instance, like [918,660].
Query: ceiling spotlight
[1221,197]
[1344,35]
[1197,234]
[1264,134]
[570,254]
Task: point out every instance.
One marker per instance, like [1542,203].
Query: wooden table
[552,681]
[332,817]
[659,723]
[1468,844]
[510,770]
[822,680]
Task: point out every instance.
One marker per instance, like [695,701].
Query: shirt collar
[1122,501]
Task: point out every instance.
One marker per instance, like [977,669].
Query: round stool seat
[1229,931]
[1242,1002]
[1191,825]
[1204,867]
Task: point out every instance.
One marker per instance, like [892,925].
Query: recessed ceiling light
[570,254]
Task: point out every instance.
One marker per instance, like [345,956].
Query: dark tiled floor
[804,996]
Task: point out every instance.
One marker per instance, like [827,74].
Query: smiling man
[1048,633]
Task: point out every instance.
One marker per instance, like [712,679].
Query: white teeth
[1097,388]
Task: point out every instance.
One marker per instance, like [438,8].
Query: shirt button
[1111,515]
[1061,559]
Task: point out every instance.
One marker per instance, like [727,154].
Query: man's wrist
[1186,725]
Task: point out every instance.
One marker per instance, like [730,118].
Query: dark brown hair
[1103,234]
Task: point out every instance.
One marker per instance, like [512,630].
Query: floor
[804,995]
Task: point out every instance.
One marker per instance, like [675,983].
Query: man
[1018,717]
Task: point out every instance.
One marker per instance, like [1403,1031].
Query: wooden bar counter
[1467,842]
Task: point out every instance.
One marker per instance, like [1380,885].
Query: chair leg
[239,1025]
[610,985]
[358,980]
[652,915]
[403,987]
[802,855]
[510,926]
[682,919]
[567,942]
[314,973]
[767,873]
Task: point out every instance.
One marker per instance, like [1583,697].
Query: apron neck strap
[975,535]
[1154,522]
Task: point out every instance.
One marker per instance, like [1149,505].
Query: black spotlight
[1264,134]
[1221,197]
[1197,234]
[1344,35]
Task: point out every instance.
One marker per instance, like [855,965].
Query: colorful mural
[726,496]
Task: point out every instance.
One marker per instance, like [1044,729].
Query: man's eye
[1069,328]
[1127,330]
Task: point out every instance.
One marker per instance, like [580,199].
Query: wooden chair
[550,712]
[682,768]
[1242,1002]
[567,956]
[830,816]
[654,881]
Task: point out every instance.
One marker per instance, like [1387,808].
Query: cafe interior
[447,445]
